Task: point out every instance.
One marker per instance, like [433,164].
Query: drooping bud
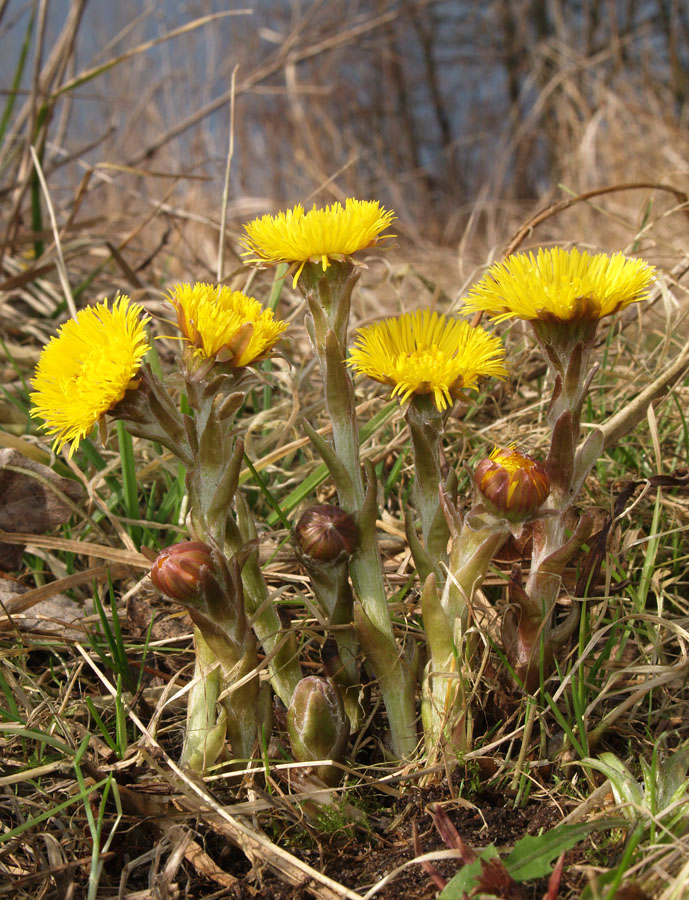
[317,725]
[326,534]
[513,484]
[176,571]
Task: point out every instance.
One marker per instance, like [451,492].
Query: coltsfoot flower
[561,285]
[427,353]
[85,370]
[514,484]
[223,324]
[319,235]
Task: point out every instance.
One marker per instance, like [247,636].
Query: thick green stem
[329,297]
[204,738]
[445,714]
[150,413]
[212,484]
[339,391]
[529,636]
[426,426]
[333,594]
[279,645]
[246,711]
[213,478]
[328,294]
[397,682]
[223,636]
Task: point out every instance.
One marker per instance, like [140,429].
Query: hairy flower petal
[319,235]
[225,324]
[427,353]
[564,285]
[86,368]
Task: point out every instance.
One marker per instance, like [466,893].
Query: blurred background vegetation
[463,117]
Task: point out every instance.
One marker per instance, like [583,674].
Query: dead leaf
[30,501]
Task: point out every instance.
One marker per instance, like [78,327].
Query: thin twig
[554,208]
[60,262]
[630,415]
[226,188]
[255,845]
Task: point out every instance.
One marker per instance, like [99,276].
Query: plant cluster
[94,370]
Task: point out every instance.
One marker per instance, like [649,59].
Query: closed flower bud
[326,533]
[176,571]
[513,484]
[317,725]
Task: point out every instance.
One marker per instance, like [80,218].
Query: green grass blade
[83,794]
[566,727]
[275,506]
[120,721]
[649,558]
[102,728]
[395,470]
[36,213]
[531,856]
[273,300]
[16,81]
[117,661]
[39,736]
[320,473]
[129,483]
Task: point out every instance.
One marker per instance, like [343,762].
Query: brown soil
[359,859]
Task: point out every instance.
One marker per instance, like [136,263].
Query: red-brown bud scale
[512,483]
[176,570]
[326,533]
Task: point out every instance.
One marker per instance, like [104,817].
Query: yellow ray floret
[86,368]
[319,235]
[224,324]
[427,353]
[560,284]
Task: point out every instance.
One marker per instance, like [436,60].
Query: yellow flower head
[86,368]
[561,285]
[319,235]
[427,353]
[514,484]
[223,324]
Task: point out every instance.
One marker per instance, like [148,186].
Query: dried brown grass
[136,208]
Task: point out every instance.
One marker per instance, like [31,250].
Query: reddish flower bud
[326,533]
[176,570]
[513,484]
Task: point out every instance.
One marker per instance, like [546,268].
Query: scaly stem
[204,738]
[328,294]
[212,483]
[279,645]
[529,635]
[426,424]
[333,594]
[446,618]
